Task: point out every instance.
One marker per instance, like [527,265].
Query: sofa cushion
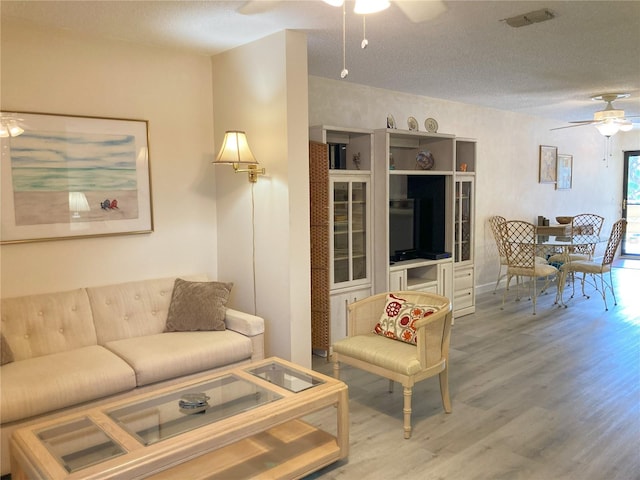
[190,352]
[398,319]
[43,324]
[5,351]
[132,309]
[197,306]
[43,384]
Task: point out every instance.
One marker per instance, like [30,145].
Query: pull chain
[344,71]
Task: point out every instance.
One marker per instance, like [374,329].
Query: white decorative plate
[431,125]
[391,122]
[413,124]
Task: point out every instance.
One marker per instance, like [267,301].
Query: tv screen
[417,217]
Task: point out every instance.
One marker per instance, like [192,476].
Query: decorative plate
[431,125]
[391,122]
[425,160]
[413,124]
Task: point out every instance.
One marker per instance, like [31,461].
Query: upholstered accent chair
[403,336]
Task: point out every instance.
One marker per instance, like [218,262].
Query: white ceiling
[466,54]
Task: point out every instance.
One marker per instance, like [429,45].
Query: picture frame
[71,176]
[548,164]
[564,171]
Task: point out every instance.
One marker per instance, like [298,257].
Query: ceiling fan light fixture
[625,126]
[365,7]
[605,114]
[608,128]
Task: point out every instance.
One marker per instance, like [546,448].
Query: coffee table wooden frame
[269,441]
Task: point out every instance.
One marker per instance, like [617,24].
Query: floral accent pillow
[398,319]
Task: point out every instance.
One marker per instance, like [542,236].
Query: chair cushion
[191,352]
[540,270]
[400,357]
[197,306]
[586,267]
[398,319]
[50,382]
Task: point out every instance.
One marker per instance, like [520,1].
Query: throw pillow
[5,351]
[197,306]
[398,319]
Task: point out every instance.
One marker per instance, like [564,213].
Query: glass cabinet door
[350,231]
[463,217]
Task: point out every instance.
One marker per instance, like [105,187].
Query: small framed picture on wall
[548,164]
[564,171]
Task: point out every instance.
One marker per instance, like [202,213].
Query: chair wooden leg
[336,370]
[444,390]
[407,412]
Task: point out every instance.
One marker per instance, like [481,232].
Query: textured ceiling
[466,54]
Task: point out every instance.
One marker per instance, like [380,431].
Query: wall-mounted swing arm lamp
[235,151]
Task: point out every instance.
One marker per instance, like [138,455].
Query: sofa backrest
[132,309]
[37,325]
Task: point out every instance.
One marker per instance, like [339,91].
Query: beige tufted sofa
[95,344]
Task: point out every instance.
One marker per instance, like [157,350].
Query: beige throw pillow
[197,306]
[5,351]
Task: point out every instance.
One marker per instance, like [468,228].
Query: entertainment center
[417,223]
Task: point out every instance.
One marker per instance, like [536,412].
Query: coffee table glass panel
[184,410]
[79,443]
[285,377]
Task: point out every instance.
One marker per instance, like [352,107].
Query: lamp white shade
[235,149]
[78,203]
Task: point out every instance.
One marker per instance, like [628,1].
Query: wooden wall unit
[349,225]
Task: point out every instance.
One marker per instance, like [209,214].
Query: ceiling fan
[417,12]
[608,121]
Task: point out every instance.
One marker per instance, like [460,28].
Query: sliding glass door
[631,203]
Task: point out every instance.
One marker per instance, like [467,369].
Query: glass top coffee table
[253,414]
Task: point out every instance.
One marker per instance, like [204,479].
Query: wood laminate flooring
[555,396]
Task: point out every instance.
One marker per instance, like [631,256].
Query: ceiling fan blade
[572,126]
[585,121]
[419,12]
[254,7]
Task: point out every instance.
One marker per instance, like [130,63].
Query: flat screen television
[417,218]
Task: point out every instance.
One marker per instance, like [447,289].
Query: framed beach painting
[67,176]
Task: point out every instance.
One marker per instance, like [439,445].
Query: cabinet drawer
[463,279]
[463,298]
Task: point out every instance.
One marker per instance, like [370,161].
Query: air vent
[529,18]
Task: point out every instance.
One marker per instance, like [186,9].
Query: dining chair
[494,223]
[598,269]
[582,224]
[519,240]
[403,336]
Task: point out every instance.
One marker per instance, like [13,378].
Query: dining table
[564,244]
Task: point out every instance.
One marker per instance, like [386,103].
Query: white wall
[261,88]
[507,155]
[55,71]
